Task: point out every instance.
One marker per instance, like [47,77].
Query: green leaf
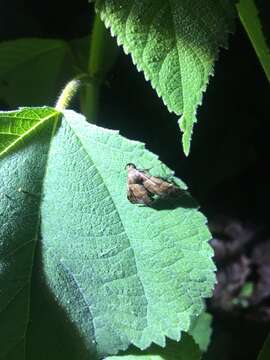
[33,70]
[186,349]
[265,352]
[15,126]
[248,14]
[80,51]
[19,222]
[106,272]
[201,330]
[175,44]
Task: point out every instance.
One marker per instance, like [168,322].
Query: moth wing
[161,187]
[131,196]
[137,194]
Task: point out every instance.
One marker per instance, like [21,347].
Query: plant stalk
[67,94]
[103,52]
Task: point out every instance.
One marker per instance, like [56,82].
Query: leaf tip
[187,133]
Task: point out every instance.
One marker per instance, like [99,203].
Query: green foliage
[201,330]
[175,44]
[83,272]
[19,230]
[184,350]
[32,71]
[105,272]
[248,14]
[16,126]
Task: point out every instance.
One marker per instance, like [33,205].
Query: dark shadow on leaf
[51,332]
[170,203]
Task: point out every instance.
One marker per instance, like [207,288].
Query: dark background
[227,171]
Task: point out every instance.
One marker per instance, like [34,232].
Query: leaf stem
[68,93]
[89,100]
[103,52]
[248,14]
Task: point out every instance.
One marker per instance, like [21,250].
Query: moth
[143,188]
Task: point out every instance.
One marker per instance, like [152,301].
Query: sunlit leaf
[175,44]
[105,272]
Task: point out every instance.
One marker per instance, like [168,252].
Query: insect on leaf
[143,187]
[105,273]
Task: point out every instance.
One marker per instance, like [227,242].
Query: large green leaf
[19,221]
[186,349]
[105,272]
[33,70]
[174,43]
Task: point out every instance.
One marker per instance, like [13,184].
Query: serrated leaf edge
[201,91]
[210,255]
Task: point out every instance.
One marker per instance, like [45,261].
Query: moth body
[143,188]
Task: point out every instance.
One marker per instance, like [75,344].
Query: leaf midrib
[27,132]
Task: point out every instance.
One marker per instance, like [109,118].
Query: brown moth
[142,187]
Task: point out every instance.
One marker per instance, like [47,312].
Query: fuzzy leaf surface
[175,44]
[106,272]
[21,177]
